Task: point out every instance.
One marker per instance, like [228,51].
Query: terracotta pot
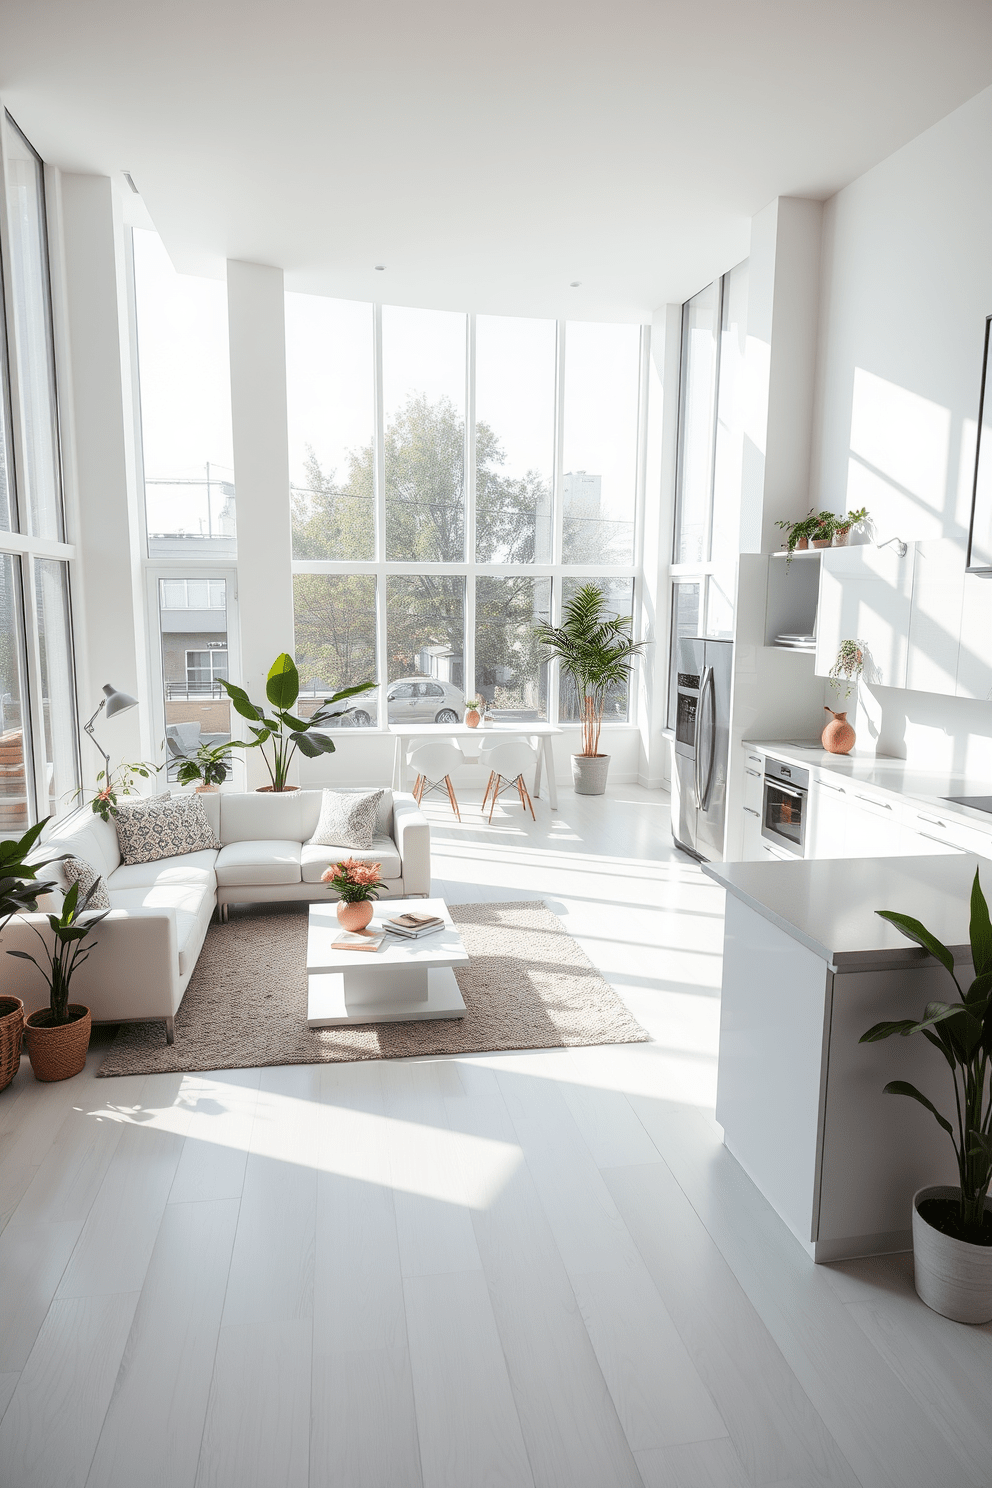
[841,537]
[821,542]
[838,737]
[58,1053]
[260,789]
[355,916]
[205,790]
[11,1036]
[473,718]
[952,1277]
[802,545]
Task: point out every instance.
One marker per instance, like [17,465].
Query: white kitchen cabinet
[974,674]
[866,595]
[753,840]
[827,834]
[935,617]
[875,828]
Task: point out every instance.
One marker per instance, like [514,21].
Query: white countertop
[927,787]
[828,904]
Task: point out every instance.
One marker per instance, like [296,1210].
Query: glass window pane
[423,362]
[16,784]
[194,656]
[511,669]
[6,454]
[514,438]
[31,314]
[619,601]
[700,322]
[330,388]
[336,641]
[58,690]
[599,484]
[425,637]
[685,622]
[185,406]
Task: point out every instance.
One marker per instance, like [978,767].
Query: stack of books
[413,926]
[358,940]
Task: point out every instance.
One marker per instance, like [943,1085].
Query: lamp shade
[117,702]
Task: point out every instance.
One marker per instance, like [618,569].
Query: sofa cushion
[315,858]
[84,836]
[251,816]
[347,819]
[186,868]
[162,827]
[191,905]
[78,871]
[269,861]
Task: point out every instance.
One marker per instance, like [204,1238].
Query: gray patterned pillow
[347,819]
[78,871]
[154,827]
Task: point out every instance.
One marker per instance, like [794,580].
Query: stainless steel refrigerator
[702,742]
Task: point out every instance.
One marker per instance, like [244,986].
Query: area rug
[528,985]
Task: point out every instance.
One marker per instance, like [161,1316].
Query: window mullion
[468,667]
[379,472]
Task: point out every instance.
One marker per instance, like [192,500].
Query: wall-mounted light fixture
[901,548]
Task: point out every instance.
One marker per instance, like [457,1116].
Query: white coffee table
[403,981]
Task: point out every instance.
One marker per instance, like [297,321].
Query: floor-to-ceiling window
[454,478]
[39,754]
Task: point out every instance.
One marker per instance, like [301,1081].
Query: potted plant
[58,1036]
[815,528]
[357,885]
[279,737]
[596,652]
[113,783]
[843,525]
[848,667]
[210,766]
[20,888]
[474,709]
[952,1227]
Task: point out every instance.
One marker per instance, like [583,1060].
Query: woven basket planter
[11,1035]
[58,1053]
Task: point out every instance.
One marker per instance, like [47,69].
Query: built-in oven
[785,806]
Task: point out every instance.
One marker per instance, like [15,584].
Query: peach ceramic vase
[356,915]
[838,737]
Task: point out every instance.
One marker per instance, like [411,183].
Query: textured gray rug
[527,986]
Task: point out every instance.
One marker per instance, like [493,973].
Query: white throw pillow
[154,827]
[78,871]
[347,819]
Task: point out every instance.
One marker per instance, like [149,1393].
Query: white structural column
[101,497]
[256,316]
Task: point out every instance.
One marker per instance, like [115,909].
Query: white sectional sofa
[149,943]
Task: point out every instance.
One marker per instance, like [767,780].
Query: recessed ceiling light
[380,267]
[575,284]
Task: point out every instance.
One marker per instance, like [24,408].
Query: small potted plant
[823,533]
[838,736]
[357,885]
[114,783]
[210,766]
[474,709]
[20,888]
[58,1036]
[815,528]
[952,1227]
[843,525]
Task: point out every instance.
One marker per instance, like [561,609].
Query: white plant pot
[952,1277]
[589,773]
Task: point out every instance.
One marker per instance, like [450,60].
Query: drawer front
[753,782]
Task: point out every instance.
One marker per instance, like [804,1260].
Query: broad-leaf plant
[67,952]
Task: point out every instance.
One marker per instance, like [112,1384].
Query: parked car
[408,700]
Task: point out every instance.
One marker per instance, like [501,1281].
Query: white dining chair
[507,763]
[433,764]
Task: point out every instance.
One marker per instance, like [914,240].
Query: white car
[409,700]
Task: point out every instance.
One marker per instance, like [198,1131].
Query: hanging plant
[848,667]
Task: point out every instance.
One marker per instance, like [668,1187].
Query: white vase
[953,1277]
[589,773]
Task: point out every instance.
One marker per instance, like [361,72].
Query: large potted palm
[278,732]
[595,652]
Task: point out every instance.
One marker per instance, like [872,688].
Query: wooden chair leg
[495,797]
[526,797]
[451,797]
[488,788]
[418,789]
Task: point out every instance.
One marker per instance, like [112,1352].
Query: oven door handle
[706,689]
[787,790]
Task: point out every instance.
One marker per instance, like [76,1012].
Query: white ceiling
[487,154]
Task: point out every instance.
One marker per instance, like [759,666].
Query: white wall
[907,284]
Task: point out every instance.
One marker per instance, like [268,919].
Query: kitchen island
[808,967]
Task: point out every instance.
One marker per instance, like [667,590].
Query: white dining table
[542,734]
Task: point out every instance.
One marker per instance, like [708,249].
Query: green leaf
[347,692]
[282,686]
[298,724]
[980,930]
[913,930]
[903,1087]
[242,702]
[313,744]
[880,1031]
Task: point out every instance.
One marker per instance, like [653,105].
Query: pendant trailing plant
[596,652]
[848,667]
[962,1031]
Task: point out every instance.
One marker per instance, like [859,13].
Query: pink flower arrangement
[354,881]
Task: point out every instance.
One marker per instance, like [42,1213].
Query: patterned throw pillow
[78,871]
[347,819]
[154,827]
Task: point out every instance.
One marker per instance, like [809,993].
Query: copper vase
[838,737]
[356,915]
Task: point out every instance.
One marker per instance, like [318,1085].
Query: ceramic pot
[840,538]
[838,737]
[207,790]
[354,916]
[589,773]
[952,1277]
[473,718]
[261,789]
[58,1053]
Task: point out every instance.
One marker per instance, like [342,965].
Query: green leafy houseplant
[119,782]
[814,527]
[20,886]
[67,953]
[962,1031]
[596,651]
[210,765]
[844,523]
[279,734]
[848,667]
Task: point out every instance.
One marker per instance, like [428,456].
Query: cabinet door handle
[751,811]
[934,822]
[827,786]
[928,837]
[871,801]
[755,773]
[755,759]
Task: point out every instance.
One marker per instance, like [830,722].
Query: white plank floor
[520,1269]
